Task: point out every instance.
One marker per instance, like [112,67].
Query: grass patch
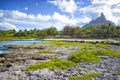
[45,51]
[56,43]
[84,56]
[85,77]
[100,45]
[118,39]
[53,63]
[108,52]
[82,45]
[91,55]
[118,72]
[60,43]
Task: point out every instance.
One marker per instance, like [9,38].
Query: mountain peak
[99,21]
[102,17]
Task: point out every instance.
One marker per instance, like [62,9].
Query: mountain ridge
[101,20]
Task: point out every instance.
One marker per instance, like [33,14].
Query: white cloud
[43,17]
[40,21]
[17,14]
[61,18]
[1,14]
[26,8]
[110,8]
[69,6]
[7,26]
[27,21]
[32,17]
[107,2]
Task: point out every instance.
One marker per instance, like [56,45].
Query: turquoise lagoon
[17,42]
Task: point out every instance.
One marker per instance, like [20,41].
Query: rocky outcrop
[99,21]
[12,66]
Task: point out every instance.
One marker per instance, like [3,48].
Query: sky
[40,14]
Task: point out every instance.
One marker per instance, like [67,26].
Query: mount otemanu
[99,21]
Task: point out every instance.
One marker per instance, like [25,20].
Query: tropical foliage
[100,32]
[103,31]
[28,34]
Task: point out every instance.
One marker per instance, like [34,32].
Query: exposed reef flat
[13,65]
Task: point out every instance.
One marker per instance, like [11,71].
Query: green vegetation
[107,52]
[118,72]
[117,39]
[84,56]
[85,77]
[53,63]
[45,51]
[60,43]
[90,52]
[101,32]
[104,46]
[56,43]
[91,55]
[28,34]
[82,45]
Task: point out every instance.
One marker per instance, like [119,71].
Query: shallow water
[18,42]
[5,50]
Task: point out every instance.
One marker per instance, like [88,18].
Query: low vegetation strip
[45,51]
[118,72]
[84,56]
[53,63]
[68,44]
[91,55]
[85,77]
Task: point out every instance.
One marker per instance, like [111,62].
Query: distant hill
[99,21]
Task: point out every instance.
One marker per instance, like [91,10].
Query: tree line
[28,34]
[99,32]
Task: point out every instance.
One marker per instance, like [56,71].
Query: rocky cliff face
[99,21]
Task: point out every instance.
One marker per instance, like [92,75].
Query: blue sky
[30,14]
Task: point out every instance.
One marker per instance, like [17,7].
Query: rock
[42,57]
[104,57]
[45,74]
[118,77]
